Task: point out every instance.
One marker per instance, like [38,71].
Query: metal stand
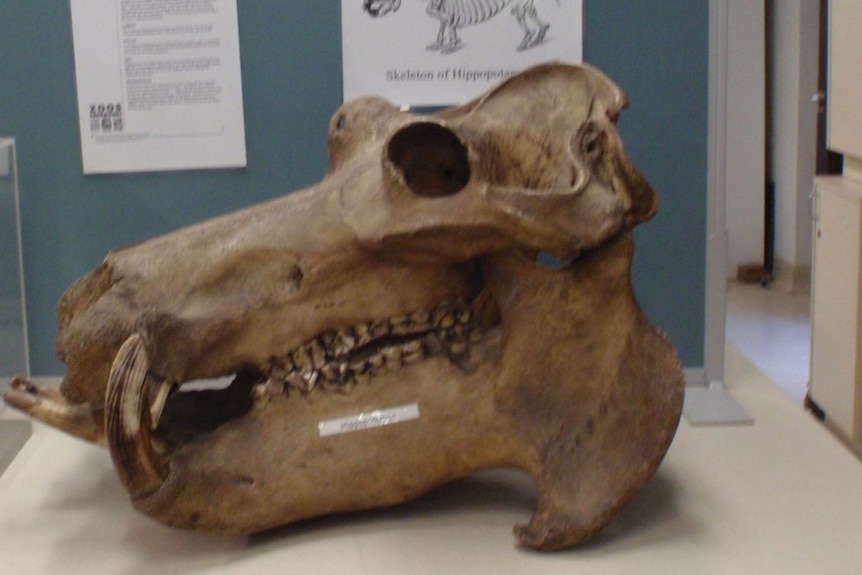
[711,405]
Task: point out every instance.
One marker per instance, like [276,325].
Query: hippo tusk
[127,421]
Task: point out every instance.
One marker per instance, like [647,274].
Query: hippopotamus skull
[389,329]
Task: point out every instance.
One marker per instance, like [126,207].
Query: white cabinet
[836,305]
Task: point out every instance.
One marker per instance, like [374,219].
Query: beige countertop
[782,496]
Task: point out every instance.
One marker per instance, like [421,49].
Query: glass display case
[13,326]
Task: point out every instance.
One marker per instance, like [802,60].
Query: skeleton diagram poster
[159,84]
[443,52]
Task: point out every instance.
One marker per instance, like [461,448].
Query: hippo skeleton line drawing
[405,282]
[456,14]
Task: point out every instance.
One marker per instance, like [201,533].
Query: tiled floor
[771,328]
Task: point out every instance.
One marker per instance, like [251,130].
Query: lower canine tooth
[126,421]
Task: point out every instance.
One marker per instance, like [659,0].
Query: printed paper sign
[159,84]
[443,52]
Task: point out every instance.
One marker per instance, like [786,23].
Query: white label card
[369,420]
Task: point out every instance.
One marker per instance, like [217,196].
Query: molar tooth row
[321,360]
[336,373]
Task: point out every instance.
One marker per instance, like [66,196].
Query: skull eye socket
[591,141]
[431,158]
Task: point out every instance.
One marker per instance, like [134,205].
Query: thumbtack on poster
[159,84]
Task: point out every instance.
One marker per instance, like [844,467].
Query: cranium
[406,280]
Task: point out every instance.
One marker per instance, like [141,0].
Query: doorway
[771,326]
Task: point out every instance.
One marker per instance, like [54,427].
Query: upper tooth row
[325,358]
[455,341]
[337,344]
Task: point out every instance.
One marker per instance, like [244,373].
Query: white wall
[746,156]
[845,80]
[794,133]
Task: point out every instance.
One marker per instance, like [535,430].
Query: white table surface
[782,496]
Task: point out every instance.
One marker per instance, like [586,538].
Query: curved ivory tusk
[127,421]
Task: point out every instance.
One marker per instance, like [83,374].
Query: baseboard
[791,278]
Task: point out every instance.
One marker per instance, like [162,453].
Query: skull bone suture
[406,277]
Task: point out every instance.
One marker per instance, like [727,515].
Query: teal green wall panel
[658,52]
[291,69]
